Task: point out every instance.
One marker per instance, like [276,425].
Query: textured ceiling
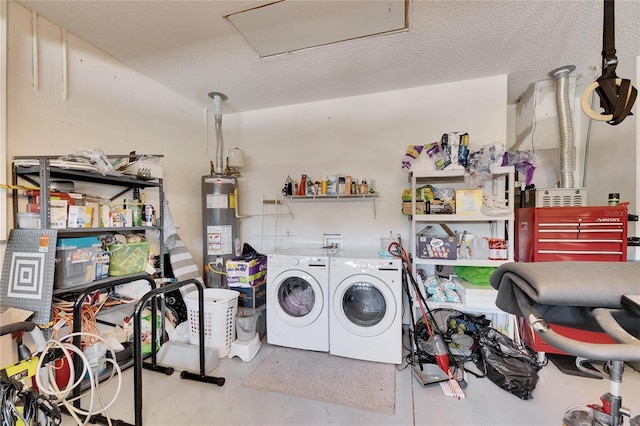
[190,48]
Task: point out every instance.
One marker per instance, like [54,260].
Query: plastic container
[96,355]
[220,307]
[29,220]
[127,259]
[479,248]
[75,266]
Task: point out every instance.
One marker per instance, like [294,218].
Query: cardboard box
[437,247]
[102,265]
[246,273]
[80,217]
[252,297]
[441,207]
[95,212]
[469,201]
[8,347]
[421,207]
[58,214]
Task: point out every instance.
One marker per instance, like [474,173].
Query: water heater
[221,239]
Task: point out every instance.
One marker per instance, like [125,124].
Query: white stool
[245,349]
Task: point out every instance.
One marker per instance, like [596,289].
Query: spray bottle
[440,352]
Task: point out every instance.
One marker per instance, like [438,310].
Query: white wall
[109,106]
[612,151]
[112,107]
[3,119]
[363,136]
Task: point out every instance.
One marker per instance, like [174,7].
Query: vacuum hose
[561,77]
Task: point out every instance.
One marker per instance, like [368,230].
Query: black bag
[512,368]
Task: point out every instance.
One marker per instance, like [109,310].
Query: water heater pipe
[217,112]
[561,78]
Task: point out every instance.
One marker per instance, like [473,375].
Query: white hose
[59,396]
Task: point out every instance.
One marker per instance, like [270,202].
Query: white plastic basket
[220,307]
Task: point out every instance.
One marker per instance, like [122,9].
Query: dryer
[298,299]
[366,307]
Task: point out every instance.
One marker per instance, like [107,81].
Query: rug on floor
[324,377]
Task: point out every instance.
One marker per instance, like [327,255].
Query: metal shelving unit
[39,172]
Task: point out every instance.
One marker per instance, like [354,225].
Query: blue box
[79,242]
[252,297]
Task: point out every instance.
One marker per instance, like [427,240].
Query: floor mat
[321,376]
[567,364]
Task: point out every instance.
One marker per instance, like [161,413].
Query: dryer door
[364,305]
[297,298]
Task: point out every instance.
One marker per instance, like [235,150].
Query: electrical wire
[61,396]
[61,317]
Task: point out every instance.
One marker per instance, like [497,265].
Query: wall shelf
[371,196]
[332,197]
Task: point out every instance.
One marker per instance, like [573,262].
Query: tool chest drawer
[594,233]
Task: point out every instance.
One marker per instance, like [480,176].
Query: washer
[298,299]
[366,307]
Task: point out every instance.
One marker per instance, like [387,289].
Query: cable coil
[49,388]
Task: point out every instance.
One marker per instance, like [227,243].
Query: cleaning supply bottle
[440,352]
[324,184]
[302,188]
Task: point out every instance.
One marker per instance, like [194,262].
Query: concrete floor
[169,400]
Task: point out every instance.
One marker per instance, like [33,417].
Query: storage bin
[220,308]
[127,259]
[75,266]
[28,220]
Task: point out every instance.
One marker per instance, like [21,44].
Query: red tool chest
[547,234]
[594,233]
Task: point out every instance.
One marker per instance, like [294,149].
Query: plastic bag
[481,163]
[456,148]
[525,162]
[412,154]
[97,158]
[512,368]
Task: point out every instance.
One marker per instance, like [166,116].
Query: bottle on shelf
[302,188]
[324,184]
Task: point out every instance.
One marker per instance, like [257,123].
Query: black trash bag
[512,368]
[248,253]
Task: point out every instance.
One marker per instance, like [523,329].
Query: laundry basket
[220,307]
